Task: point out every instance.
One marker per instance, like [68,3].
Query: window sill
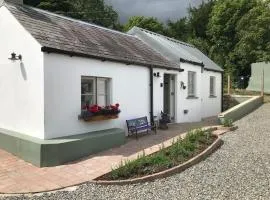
[212,96]
[192,97]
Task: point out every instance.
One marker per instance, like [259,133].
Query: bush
[227,122]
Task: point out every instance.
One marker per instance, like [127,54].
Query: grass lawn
[182,150]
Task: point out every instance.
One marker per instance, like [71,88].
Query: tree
[148,23]
[199,18]
[97,12]
[94,11]
[31,2]
[253,35]
[239,32]
[179,30]
[60,7]
[194,28]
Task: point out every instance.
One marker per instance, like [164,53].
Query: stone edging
[169,172]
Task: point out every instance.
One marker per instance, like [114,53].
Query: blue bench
[138,125]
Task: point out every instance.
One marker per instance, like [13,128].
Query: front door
[169,95]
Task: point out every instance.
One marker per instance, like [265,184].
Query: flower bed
[182,150]
[98,113]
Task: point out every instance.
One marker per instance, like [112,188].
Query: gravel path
[239,170]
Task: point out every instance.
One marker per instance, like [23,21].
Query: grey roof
[174,49]
[56,32]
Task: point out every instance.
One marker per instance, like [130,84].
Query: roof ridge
[67,18]
[166,37]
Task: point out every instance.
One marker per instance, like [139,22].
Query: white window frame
[192,76]
[96,92]
[212,86]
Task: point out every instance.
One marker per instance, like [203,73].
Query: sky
[161,9]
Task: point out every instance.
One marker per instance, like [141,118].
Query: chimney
[15,1]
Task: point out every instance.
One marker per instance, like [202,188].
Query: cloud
[162,9]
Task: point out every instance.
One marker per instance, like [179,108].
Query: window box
[98,113]
[100,118]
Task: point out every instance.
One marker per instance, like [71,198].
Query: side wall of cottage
[21,82]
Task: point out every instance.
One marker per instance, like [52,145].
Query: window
[95,90]
[212,86]
[191,84]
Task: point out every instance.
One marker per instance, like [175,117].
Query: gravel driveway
[239,170]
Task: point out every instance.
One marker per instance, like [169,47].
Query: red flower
[117,105]
[93,110]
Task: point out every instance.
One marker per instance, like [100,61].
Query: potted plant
[164,120]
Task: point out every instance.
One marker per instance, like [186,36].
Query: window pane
[88,100]
[102,100]
[103,91]
[191,83]
[88,86]
[88,96]
[101,86]
[212,85]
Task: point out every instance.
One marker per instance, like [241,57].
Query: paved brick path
[17,176]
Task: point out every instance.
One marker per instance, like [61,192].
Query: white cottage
[189,96]
[51,66]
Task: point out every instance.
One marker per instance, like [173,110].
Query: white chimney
[15,1]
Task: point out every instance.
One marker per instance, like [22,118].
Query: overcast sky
[162,9]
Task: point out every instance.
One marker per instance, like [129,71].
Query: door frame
[172,85]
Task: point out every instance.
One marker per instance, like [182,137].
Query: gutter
[222,91]
[102,58]
[151,95]
[191,62]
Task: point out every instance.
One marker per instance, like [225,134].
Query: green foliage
[180,151]
[199,18]
[227,122]
[31,2]
[97,12]
[179,30]
[60,7]
[239,32]
[94,11]
[148,23]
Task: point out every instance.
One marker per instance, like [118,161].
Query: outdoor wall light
[15,57]
[157,74]
[182,85]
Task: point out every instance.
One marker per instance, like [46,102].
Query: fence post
[262,89]
[229,85]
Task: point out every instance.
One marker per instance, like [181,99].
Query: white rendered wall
[211,105]
[182,102]
[21,84]
[130,88]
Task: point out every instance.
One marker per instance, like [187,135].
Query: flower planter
[101,118]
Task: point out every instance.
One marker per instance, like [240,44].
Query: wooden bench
[140,124]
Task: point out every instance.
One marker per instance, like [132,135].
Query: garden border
[177,169]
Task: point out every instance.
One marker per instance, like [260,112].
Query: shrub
[227,122]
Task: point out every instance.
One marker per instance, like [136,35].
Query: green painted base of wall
[48,153]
